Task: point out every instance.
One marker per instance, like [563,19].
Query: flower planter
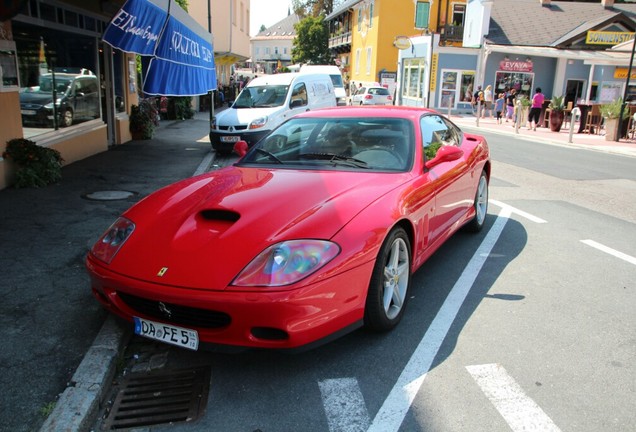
[611,128]
[556,120]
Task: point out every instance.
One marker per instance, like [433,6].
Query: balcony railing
[452,33]
[339,40]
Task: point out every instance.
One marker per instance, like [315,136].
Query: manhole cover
[109,195]
[160,397]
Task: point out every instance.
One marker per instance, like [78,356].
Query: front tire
[480,205]
[67,118]
[390,282]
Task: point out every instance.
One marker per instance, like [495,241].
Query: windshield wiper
[336,159]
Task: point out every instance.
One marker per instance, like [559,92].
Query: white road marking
[344,405]
[397,404]
[205,164]
[520,412]
[613,252]
[517,211]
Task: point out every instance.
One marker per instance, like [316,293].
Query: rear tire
[480,205]
[390,282]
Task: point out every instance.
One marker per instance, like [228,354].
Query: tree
[314,8]
[311,44]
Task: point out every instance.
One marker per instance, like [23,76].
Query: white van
[336,79]
[266,102]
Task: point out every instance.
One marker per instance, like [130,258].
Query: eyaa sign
[515,66]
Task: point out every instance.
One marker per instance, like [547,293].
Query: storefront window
[457,86]
[520,81]
[413,77]
[59,77]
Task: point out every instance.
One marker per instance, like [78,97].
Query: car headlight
[258,123]
[50,104]
[112,240]
[287,262]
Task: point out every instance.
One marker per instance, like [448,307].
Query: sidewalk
[51,361]
[545,135]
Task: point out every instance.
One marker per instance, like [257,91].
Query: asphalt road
[528,325]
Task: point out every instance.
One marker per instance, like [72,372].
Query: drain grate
[162,397]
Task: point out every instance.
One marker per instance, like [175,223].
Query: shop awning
[180,50]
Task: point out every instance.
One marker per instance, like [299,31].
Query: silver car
[372,95]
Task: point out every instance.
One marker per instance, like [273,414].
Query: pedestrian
[488,102]
[510,104]
[476,97]
[535,108]
[499,106]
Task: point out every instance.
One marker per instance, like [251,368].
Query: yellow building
[363,32]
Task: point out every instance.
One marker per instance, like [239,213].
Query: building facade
[272,47]
[60,42]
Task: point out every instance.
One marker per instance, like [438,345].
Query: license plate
[28,112]
[230,139]
[167,333]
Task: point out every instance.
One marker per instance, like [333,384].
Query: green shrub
[36,166]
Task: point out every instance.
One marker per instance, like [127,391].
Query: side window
[299,95]
[436,132]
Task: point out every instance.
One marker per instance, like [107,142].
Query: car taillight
[389,97]
[368,96]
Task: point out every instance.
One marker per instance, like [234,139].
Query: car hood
[242,116]
[36,98]
[205,230]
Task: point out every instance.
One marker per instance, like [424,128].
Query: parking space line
[608,250]
[520,412]
[395,407]
[517,211]
[344,405]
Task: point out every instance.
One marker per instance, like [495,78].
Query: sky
[267,13]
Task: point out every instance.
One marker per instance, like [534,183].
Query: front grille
[176,314]
[237,127]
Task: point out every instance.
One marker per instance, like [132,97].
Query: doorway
[574,91]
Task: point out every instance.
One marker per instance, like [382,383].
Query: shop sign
[515,66]
[402,42]
[607,38]
[621,73]
[434,62]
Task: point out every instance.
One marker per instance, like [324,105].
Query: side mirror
[240,148]
[445,154]
[296,103]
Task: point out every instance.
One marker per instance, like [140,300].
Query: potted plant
[557,113]
[143,119]
[611,113]
[36,166]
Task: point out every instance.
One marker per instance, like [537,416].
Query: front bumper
[223,142]
[294,319]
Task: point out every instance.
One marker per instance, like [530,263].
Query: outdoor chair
[594,120]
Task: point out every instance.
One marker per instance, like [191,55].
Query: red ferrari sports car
[311,234]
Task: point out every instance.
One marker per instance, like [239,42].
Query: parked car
[372,95]
[336,78]
[77,99]
[265,103]
[314,232]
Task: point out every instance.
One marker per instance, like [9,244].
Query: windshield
[61,84]
[261,96]
[376,144]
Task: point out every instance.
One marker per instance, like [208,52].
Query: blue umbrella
[180,50]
